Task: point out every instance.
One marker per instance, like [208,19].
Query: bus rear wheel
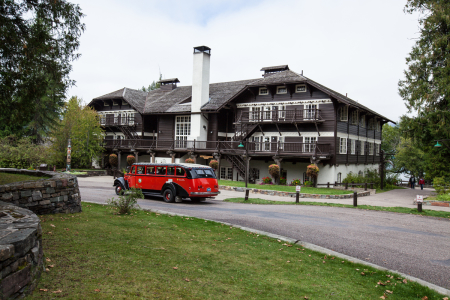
[169,196]
[119,190]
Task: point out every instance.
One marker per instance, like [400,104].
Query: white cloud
[354,47]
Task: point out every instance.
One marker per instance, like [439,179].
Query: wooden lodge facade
[283,118]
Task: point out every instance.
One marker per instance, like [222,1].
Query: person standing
[421,183]
[413,181]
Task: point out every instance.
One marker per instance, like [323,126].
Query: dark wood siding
[212,127]
[166,126]
[342,126]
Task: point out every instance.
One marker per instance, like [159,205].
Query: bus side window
[180,171]
[161,171]
[170,170]
[132,170]
[150,170]
[140,170]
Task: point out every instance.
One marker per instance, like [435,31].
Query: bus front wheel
[169,196]
[119,190]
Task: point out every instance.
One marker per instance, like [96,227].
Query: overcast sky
[353,46]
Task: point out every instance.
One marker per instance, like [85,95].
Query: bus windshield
[204,173]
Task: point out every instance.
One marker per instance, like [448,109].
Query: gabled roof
[279,78]
[135,98]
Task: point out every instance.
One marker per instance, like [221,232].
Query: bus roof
[184,165]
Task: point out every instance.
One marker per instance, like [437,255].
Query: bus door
[148,179]
[180,178]
[140,174]
[131,177]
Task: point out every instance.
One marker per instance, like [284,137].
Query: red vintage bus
[170,181]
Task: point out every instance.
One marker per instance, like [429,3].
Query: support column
[217,157]
[278,160]
[247,169]
[172,155]
[136,156]
[194,157]
[152,154]
[119,154]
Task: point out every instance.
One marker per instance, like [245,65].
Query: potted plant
[130,160]
[214,164]
[313,171]
[189,161]
[113,160]
[274,171]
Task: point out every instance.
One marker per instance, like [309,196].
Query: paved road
[415,245]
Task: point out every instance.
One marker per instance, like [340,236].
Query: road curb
[313,247]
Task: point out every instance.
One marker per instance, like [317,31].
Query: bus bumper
[205,193]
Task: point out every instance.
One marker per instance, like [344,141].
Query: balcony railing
[117,121]
[281,116]
[231,147]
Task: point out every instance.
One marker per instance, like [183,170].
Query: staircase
[129,132]
[243,130]
[238,164]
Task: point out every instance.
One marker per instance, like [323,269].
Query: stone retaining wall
[21,256]
[288,194]
[57,194]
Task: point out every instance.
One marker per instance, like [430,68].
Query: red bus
[170,181]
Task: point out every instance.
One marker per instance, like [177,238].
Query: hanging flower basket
[274,171]
[189,161]
[130,160]
[312,171]
[113,160]
[214,164]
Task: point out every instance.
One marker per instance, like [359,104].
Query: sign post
[69,155]
[297,193]
[419,200]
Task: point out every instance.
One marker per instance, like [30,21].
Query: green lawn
[285,188]
[403,210]
[96,254]
[6,178]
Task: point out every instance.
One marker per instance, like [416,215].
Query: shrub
[21,153]
[444,197]
[127,202]
[130,160]
[214,164]
[309,183]
[267,180]
[283,181]
[274,171]
[312,171]
[113,160]
[440,185]
[296,182]
[189,161]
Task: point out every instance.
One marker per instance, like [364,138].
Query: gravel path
[415,245]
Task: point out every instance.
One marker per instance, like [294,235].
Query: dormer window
[300,88]
[281,90]
[343,113]
[355,117]
[263,91]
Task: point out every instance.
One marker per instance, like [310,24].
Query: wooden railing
[281,116]
[117,121]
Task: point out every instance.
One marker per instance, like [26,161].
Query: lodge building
[283,118]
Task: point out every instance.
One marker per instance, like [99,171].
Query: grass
[6,178]
[96,254]
[403,210]
[286,188]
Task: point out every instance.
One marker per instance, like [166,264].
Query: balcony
[117,121]
[227,147]
[281,116]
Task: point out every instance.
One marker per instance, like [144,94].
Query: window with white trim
[371,125]
[281,112]
[362,148]
[116,118]
[378,126]
[352,146]
[281,142]
[281,90]
[182,130]
[263,91]
[300,88]
[309,144]
[354,117]
[377,149]
[342,145]
[266,145]
[339,177]
[306,177]
[102,119]
[362,121]
[310,111]
[257,143]
[267,113]
[255,113]
[343,114]
[226,173]
[370,148]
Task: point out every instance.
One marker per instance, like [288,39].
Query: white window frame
[257,143]
[377,149]
[102,118]
[362,121]
[255,113]
[263,88]
[281,112]
[363,148]
[182,130]
[343,116]
[300,85]
[355,117]
[266,143]
[370,148]
[281,143]
[308,142]
[378,126]
[309,111]
[227,173]
[116,118]
[342,145]
[352,146]
[267,113]
[281,87]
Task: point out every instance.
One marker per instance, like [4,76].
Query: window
[362,121]
[355,117]
[343,145]
[306,177]
[280,142]
[281,112]
[370,148]
[255,113]
[362,148]
[140,170]
[378,126]
[132,170]
[161,171]
[170,170]
[352,147]
[116,118]
[182,130]
[226,173]
[102,119]
[255,173]
[371,125]
[377,149]
[339,177]
[257,143]
[180,171]
[150,170]
[343,114]
[281,90]
[360,174]
[310,111]
[300,88]
[266,143]
[309,144]
[267,113]
[263,91]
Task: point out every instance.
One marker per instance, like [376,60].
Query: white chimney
[200,92]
